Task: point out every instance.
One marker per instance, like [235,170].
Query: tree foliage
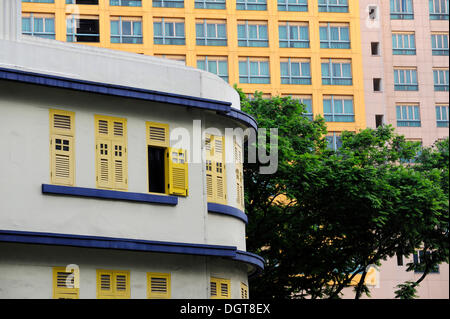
[325,216]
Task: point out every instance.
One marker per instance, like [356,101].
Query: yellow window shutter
[215,169]
[104,284]
[111,152]
[113,284]
[65,283]
[239,176]
[62,154]
[122,285]
[158,286]
[244,291]
[220,288]
[177,171]
[157,134]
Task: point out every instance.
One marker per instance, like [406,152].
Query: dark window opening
[377,85]
[94,2]
[399,259]
[156,170]
[378,120]
[375,48]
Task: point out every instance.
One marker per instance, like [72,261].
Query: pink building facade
[406,83]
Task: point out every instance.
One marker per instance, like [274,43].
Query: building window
[440,79]
[260,5]
[334,141]
[293,5]
[216,187]
[306,100]
[220,288]
[439,9]
[253,34]
[333,5]
[210,4]
[442,115]
[66,283]
[211,32]
[379,120]
[111,152]
[295,71]
[408,115]
[62,153]
[403,44]
[168,3]
[334,35]
[418,259]
[158,286]
[126,3]
[83,29]
[39,25]
[92,2]
[375,48]
[293,34]
[169,31]
[254,70]
[439,43]
[338,108]
[113,284]
[376,84]
[239,170]
[405,79]
[167,167]
[214,64]
[244,291]
[126,30]
[336,72]
[174,57]
[402,10]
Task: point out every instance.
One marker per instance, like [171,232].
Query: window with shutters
[167,167]
[220,288]
[111,152]
[65,283]
[62,154]
[244,291]
[113,284]
[239,176]
[158,286]
[215,169]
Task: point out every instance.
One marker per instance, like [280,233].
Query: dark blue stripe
[131,244]
[129,92]
[227,210]
[109,194]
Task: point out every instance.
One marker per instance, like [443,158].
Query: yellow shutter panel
[158,286]
[220,288]
[113,284]
[62,158]
[111,152]
[177,171]
[215,169]
[157,134]
[239,176]
[122,285]
[65,284]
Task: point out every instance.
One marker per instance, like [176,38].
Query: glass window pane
[327,106]
[282,30]
[126,27]
[338,107]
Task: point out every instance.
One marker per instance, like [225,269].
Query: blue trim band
[26,237]
[109,194]
[127,92]
[227,210]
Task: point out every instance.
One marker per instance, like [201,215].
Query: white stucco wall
[24,132]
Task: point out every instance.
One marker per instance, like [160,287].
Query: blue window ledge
[109,194]
[227,210]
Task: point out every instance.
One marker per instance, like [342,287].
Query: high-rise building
[308,49]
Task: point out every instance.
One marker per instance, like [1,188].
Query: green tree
[325,216]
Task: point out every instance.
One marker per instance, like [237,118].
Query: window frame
[254,79]
[210,4]
[408,115]
[42,34]
[439,39]
[121,36]
[168,3]
[399,38]
[331,79]
[289,41]
[217,59]
[402,7]
[325,6]
[441,79]
[247,41]
[299,6]
[302,79]
[335,44]
[255,5]
[219,282]
[157,295]
[113,293]
[205,25]
[438,15]
[335,116]
[121,3]
[440,121]
[168,39]
[404,85]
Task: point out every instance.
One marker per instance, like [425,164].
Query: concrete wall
[26,271]
[24,131]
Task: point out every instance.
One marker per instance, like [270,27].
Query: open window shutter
[178,171]
[119,165]
[239,175]
[104,171]
[62,147]
[159,286]
[210,175]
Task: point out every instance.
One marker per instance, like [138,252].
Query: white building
[96,200]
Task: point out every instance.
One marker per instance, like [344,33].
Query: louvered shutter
[177,171]
[62,147]
[111,148]
[64,284]
[121,285]
[158,286]
[213,289]
[113,284]
[157,134]
[210,176]
[224,290]
[220,288]
[239,176]
[215,169]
